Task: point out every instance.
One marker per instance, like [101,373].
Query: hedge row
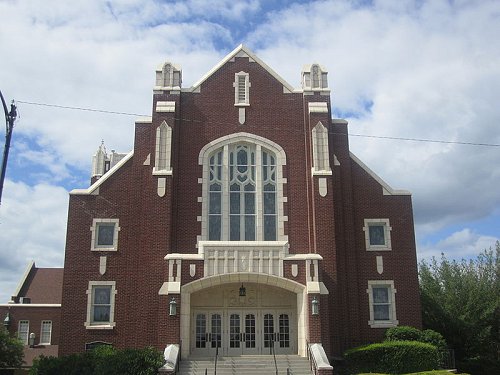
[103,360]
[406,333]
[392,357]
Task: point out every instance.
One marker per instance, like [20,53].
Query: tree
[11,350]
[461,300]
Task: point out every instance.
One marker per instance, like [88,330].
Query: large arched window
[243,193]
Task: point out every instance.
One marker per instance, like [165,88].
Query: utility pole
[10,117]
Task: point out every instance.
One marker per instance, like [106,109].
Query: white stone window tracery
[321,159]
[243,193]
[163,149]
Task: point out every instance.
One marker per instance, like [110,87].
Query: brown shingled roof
[44,285]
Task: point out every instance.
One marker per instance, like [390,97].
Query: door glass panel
[234,331]
[268,330]
[250,331]
[284,333]
[216,331]
[201,326]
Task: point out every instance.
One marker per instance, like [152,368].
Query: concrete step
[246,365]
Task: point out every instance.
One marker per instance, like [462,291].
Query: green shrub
[392,357]
[434,338]
[104,360]
[403,333]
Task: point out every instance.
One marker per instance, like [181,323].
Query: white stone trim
[167,133]
[392,321]
[318,107]
[321,157]
[224,143]
[167,107]
[94,188]
[284,283]
[94,229]
[386,189]
[237,92]
[387,234]
[88,323]
[241,50]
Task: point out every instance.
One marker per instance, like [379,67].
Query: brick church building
[239,220]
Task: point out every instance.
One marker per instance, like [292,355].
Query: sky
[427,70]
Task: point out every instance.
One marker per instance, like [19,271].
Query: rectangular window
[101,304]
[23,331]
[381,296]
[377,234]
[101,301]
[105,235]
[46,333]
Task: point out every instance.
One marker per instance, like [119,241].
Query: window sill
[383,323]
[104,249]
[381,248]
[101,326]
[162,172]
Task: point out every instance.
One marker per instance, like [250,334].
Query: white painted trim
[386,189]
[93,189]
[229,57]
[26,273]
[41,333]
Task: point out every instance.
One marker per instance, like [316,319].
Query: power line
[426,140]
[81,108]
[191,120]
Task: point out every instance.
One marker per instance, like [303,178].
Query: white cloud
[32,227]
[465,243]
[413,69]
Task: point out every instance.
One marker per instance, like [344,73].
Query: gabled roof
[41,285]
[241,51]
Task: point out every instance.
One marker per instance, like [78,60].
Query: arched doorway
[242,314]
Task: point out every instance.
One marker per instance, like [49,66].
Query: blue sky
[407,69]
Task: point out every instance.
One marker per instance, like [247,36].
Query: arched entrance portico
[214,314]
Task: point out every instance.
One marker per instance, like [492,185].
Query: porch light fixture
[315,306]
[173,307]
[243,291]
[6,321]
[32,340]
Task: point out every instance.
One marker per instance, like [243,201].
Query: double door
[242,332]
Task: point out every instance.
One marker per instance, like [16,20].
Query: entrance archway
[271,312]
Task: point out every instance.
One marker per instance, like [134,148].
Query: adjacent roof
[41,285]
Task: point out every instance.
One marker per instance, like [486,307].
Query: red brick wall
[153,226]
[35,315]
